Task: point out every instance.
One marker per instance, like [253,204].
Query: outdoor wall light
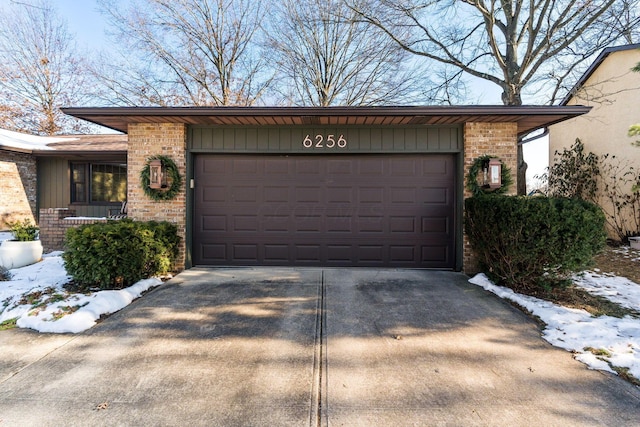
[155,174]
[495,173]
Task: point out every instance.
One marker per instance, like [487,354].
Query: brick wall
[496,139]
[54,224]
[18,189]
[149,139]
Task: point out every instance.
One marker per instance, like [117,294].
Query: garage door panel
[402,254]
[307,253]
[307,167]
[434,168]
[435,254]
[277,166]
[243,223]
[214,194]
[276,223]
[435,225]
[276,194]
[276,252]
[339,195]
[245,252]
[214,223]
[402,167]
[338,224]
[339,168]
[245,166]
[402,224]
[363,210]
[214,252]
[371,167]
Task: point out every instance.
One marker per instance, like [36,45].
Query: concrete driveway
[307,347]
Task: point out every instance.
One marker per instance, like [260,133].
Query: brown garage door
[346,210]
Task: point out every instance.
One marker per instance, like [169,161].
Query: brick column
[149,139]
[495,139]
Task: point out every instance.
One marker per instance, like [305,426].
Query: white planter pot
[14,254]
[635,242]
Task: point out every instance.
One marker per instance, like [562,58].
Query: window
[98,182]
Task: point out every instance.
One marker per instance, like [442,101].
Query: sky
[599,342]
[86,22]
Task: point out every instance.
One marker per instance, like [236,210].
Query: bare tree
[327,57]
[189,52]
[516,44]
[40,69]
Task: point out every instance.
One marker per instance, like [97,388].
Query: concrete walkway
[307,347]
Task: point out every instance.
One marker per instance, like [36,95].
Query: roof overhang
[593,67]
[528,118]
[108,156]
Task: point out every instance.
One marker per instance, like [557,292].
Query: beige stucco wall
[613,91]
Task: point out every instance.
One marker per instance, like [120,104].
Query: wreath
[174,180]
[472,177]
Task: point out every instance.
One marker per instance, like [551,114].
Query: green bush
[117,254]
[24,231]
[533,244]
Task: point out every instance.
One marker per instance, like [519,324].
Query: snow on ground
[36,297]
[600,342]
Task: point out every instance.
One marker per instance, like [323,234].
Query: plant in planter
[24,249]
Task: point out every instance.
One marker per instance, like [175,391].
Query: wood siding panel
[408,139]
[53,183]
[54,189]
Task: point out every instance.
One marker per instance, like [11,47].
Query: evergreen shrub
[533,244]
[117,254]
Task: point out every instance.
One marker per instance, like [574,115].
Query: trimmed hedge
[117,254]
[533,243]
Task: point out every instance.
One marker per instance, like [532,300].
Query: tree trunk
[511,96]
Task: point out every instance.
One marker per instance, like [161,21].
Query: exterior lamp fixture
[495,173]
[156,174]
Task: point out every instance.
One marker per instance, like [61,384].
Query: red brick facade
[495,139]
[18,192]
[54,224]
[149,139]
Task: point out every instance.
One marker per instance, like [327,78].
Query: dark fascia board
[15,149]
[103,115]
[95,154]
[476,110]
[594,66]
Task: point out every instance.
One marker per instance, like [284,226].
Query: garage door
[341,210]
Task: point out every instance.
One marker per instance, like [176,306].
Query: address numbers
[322,141]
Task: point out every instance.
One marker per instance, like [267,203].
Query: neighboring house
[337,186]
[87,173]
[613,90]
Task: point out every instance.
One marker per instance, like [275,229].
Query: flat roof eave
[528,118]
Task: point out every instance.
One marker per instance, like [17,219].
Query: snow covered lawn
[601,342]
[35,296]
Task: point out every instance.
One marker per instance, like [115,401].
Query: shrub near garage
[117,254]
[532,244]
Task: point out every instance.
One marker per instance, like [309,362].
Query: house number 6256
[319,141]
